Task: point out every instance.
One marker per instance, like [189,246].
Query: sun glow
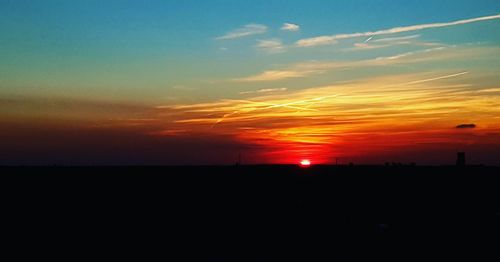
[343,119]
[305,163]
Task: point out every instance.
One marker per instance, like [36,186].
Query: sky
[202,82]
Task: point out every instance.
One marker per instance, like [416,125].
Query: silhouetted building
[460,159]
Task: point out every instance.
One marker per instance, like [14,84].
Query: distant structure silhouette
[239,160]
[461,159]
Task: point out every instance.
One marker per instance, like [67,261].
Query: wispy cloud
[407,54]
[320,40]
[274,75]
[290,27]
[310,68]
[395,39]
[271,46]
[365,46]
[265,90]
[326,40]
[247,30]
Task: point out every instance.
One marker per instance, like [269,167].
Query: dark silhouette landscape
[255,213]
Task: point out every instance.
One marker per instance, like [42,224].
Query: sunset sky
[200,82]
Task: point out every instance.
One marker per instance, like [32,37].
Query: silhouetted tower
[461,159]
[239,160]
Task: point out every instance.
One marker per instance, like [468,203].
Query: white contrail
[290,105]
[268,106]
[325,40]
[300,102]
[224,117]
[395,39]
[436,78]
[368,40]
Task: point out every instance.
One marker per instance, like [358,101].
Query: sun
[305,163]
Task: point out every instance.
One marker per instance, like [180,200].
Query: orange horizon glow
[375,116]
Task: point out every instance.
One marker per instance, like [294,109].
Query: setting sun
[305,163]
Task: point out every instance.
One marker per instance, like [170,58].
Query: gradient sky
[200,82]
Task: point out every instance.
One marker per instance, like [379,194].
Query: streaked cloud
[370,46]
[490,90]
[320,40]
[336,99]
[348,118]
[311,68]
[271,46]
[290,27]
[372,43]
[265,90]
[247,30]
[395,39]
[274,75]
[327,40]
[365,46]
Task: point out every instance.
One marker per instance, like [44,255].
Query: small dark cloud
[465,126]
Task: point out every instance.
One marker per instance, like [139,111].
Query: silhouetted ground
[253,213]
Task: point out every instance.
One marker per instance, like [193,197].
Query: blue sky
[48,40]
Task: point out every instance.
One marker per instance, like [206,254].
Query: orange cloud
[351,119]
